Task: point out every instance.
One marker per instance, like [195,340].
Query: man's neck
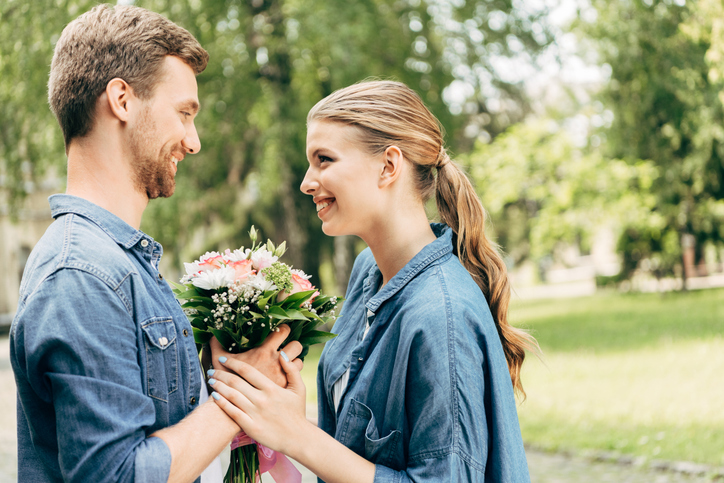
[103,178]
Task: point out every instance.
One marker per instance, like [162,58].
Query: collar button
[144,243]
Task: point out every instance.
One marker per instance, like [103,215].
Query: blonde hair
[107,42]
[390,113]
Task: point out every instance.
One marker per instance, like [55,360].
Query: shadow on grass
[620,322]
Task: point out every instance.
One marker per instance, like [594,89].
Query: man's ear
[119,96]
[391,166]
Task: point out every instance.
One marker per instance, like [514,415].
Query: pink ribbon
[278,465]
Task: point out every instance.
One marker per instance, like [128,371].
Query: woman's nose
[309,184]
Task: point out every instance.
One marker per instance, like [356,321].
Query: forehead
[331,135]
[177,81]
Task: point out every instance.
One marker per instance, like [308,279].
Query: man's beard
[152,172]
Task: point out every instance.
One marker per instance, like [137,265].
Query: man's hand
[264,358]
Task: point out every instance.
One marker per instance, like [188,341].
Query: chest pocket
[360,434]
[161,357]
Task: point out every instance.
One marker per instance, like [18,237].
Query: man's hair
[107,42]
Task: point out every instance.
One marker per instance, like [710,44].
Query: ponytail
[460,208]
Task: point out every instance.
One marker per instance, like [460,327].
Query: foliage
[270,61]
[665,94]
[542,191]
[30,139]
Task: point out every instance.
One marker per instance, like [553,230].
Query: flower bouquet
[240,297]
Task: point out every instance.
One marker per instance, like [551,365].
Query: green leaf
[202,336]
[297,298]
[296,314]
[224,337]
[316,337]
[277,312]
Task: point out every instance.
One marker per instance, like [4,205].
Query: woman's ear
[391,166]
[118,95]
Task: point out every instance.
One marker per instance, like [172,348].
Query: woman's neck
[398,239]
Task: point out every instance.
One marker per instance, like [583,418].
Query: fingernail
[284,356]
[215,395]
[212,381]
[222,359]
[210,372]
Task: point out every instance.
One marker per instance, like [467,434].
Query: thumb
[294,377]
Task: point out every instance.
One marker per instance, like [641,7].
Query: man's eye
[186,114]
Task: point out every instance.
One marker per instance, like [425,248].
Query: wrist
[299,438]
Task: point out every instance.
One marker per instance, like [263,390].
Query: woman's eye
[324,159]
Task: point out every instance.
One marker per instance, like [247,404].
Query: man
[108,377]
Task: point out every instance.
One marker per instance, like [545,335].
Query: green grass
[638,374]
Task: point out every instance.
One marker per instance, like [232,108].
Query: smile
[321,205]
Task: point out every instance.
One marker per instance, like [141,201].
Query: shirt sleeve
[79,355]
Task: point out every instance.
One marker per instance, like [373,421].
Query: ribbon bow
[278,465]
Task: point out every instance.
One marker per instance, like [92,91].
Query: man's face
[164,130]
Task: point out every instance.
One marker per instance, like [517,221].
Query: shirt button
[186,333]
[144,243]
[163,341]
[160,277]
[361,359]
[193,401]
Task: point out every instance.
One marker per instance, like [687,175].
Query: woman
[418,384]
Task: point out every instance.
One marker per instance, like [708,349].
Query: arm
[276,418]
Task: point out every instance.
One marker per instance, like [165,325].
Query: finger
[237,415]
[276,338]
[292,371]
[299,364]
[293,349]
[247,372]
[217,350]
[233,381]
[236,392]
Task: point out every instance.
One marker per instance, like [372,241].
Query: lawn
[638,374]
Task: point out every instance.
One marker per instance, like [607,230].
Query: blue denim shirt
[103,354]
[429,397]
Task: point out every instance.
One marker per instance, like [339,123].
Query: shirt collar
[428,255]
[120,231]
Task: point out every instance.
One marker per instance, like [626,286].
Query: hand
[265,358]
[269,414]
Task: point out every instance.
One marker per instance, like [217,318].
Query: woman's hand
[265,358]
[273,416]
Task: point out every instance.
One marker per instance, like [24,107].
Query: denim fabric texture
[429,397]
[102,352]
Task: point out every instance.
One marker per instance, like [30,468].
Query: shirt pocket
[364,439]
[161,357]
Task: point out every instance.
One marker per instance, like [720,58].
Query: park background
[592,130]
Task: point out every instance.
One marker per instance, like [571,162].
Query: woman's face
[342,178]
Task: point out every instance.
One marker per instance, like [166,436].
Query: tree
[270,62]
[668,110]
[542,191]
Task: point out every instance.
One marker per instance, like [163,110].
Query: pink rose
[242,268]
[211,263]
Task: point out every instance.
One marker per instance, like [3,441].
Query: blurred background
[592,130]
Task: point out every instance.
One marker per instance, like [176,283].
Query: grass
[638,374]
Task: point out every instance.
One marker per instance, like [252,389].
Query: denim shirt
[103,354]
[429,397]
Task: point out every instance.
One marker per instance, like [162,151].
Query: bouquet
[240,297]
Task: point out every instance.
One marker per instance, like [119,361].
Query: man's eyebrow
[191,106]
